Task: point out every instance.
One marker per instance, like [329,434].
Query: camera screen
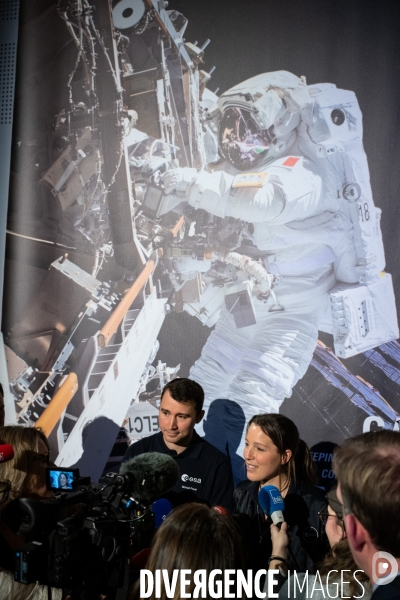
[61,479]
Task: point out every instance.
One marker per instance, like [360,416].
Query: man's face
[177,421]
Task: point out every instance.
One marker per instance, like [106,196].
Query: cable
[101,42]
[139,31]
[120,155]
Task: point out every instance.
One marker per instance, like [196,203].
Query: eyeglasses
[323,516]
[45,458]
[5,489]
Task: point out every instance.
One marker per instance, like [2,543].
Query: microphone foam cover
[6,452]
[264,500]
[161,509]
[220,509]
[153,474]
[270,499]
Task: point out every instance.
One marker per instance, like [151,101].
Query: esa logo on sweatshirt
[191,479]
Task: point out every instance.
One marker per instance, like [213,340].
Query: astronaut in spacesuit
[275,180]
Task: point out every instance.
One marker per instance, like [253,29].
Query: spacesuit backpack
[364,314]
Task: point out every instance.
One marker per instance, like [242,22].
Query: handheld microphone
[140,559]
[152,474]
[220,509]
[6,452]
[272,503]
[161,509]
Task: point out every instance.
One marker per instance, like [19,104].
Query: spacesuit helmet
[256,113]
[241,139]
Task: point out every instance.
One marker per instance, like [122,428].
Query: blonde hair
[25,443]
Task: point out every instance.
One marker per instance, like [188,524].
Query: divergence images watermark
[384,568]
[232,583]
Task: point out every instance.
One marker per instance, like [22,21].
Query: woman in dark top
[275,455]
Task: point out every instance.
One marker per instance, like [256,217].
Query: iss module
[138,192]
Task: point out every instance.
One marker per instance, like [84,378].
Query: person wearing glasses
[329,581]
[26,474]
[367,468]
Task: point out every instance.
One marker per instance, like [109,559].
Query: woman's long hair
[285,436]
[25,443]
[194,537]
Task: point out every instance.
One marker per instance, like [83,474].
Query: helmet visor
[241,139]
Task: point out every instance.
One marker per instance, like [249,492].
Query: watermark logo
[232,583]
[384,568]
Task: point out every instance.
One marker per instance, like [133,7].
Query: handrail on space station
[52,413]
[111,326]
[175,230]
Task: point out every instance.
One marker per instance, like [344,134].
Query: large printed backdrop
[352,44]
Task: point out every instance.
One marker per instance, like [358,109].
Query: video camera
[81,539]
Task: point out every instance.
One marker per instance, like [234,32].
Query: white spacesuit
[294,198]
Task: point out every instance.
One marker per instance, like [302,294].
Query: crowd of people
[352,530]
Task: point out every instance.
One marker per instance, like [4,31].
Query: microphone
[220,509]
[6,453]
[272,503]
[152,474]
[161,509]
[140,559]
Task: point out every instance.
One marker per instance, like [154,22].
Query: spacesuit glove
[179,180]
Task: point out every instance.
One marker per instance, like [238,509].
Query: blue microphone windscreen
[264,500]
[161,508]
[270,499]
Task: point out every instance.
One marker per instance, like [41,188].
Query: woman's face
[333,529]
[63,480]
[262,457]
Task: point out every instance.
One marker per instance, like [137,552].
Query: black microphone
[152,474]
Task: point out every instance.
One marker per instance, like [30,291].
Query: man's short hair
[186,390]
[368,470]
